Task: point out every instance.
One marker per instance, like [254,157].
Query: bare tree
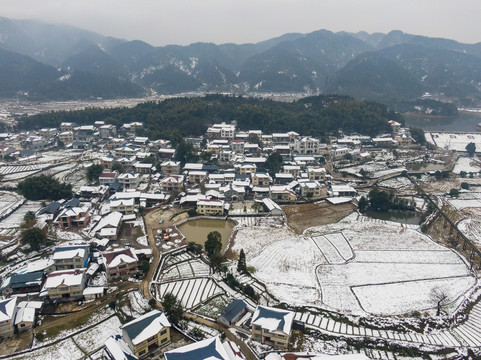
[440,296]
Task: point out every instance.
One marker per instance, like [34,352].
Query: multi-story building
[67,126]
[66,136]
[65,284]
[295,170]
[172,184]
[107,131]
[260,179]
[68,257]
[247,169]
[129,180]
[8,310]
[312,189]
[123,206]
[306,145]
[237,146]
[210,207]
[208,349]
[316,173]
[73,217]
[170,168]
[108,178]
[281,193]
[120,263]
[146,333]
[197,176]
[272,326]
[221,131]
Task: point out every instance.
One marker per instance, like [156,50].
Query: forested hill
[316,116]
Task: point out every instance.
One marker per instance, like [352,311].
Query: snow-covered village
[118,245]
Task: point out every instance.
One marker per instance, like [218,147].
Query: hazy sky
[161,22]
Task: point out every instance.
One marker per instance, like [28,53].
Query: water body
[197,230]
[400,216]
[462,122]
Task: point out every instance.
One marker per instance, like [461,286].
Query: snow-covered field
[396,183]
[454,141]
[466,164]
[340,266]
[8,201]
[190,292]
[471,228]
[375,169]
[16,218]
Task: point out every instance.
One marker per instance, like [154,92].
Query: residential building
[67,126]
[65,284]
[343,190]
[170,168]
[23,283]
[66,136]
[339,153]
[107,131]
[147,332]
[75,256]
[8,310]
[272,326]
[260,179]
[237,146]
[210,207]
[108,227]
[316,173]
[306,145]
[233,312]
[74,217]
[197,176]
[108,178]
[246,169]
[6,150]
[141,168]
[221,131]
[280,138]
[120,263]
[25,317]
[123,206]
[172,184]
[281,193]
[129,180]
[312,189]
[295,170]
[208,349]
[115,348]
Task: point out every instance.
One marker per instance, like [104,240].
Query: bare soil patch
[303,216]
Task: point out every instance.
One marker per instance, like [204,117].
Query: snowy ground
[16,218]
[454,141]
[340,266]
[466,164]
[396,183]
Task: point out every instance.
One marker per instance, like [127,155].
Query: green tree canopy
[241,264]
[172,307]
[44,187]
[471,149]
[35,238]
[273,163]
[213,245]
[418,135]
[119,167]
[93,172]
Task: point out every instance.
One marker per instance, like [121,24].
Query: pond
[401,216]
[197,230]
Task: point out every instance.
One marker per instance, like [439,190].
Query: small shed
[233,312]
[94,292]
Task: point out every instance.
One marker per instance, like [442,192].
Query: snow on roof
[339,200]
[270,204]
[93,290]
[7,309]
[308,356]
[31,304]
[71,277]
[210,202]
[146,326]
[208,349]
[273,319]
[68,253]
[25,314]
[39,265]
[342,188]
[115,258]
[112,220]
[118,348]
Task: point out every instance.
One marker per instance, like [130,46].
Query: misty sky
[162,22]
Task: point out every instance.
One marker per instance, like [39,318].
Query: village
[266,247]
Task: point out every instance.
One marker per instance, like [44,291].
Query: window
[142,352]
[163,332]
[164,340]
[77,259]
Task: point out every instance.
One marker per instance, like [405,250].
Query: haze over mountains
[63,62]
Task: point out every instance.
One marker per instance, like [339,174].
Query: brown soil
[303,216]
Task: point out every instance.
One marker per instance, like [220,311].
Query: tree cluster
[44,187]
[173,308]
[93,172]
[380,200]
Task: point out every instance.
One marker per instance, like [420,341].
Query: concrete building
[272,326]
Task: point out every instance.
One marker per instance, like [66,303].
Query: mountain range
[44,61]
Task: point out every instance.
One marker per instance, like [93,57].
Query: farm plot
[95,337]
[466,164]
[9,201]
[396,183]
[186,269]
[354,254]
[15,219]
[472,229]
[11,169]
[190,292]
[65,349]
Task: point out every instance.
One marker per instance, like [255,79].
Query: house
[233,193]
[67,126]
[247,169]
[294,170]
[91,192]
[73,217]
[66,136]
[210,207]
[23,283]
[93,292]
[237,146]
[281,193]
[306,145]
[221,131]
[260,179]
[208,349]
[141,168]
[8,310]
[108,178]
[385,142]
[120,263]
[272,207]
[170,168]
[166,153]
[65,285]
[129,180]
[115,348]
[25,318]
[172,184]
[272,326]
[283,178]
[124,206]
[280,138]
[147,332]
[197,176]
[339,153]
[75,256]
[312,189]
[107,131]
[233,312]
[342,190]
[108,227]
[316,173]
[6,150]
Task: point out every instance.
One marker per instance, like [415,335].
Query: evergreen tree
[471,149]
[93,172]
[213,245]
[172,307]
[241,264]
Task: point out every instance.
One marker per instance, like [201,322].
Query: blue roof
[198,351]
[233,309]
